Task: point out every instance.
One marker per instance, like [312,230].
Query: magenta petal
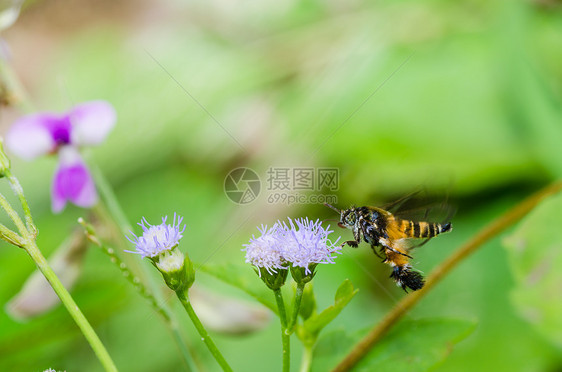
[72,182]
[91,122]
[30,136]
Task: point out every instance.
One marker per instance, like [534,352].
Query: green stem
[285,336]
[110,199]
[27,242]
[184,299]
[10,236]
[15,88]
[92,236]
[296,306]
[141,289]
[18,190]
[70,305]
[120,219]
[14,216]
[189,364]
[306,358]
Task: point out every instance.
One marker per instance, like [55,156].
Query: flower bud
[176,269]
[159,243]
[273,280]
[4,161]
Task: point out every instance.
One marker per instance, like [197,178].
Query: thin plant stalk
[306,362]
[488,232]
[184,299]
[110,199]
[285,336]
[27,242]
[123,224]
[142,290]
[296,306]
[71,306]
[14,86]
[18,190]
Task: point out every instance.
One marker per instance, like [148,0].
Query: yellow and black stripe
[424,229]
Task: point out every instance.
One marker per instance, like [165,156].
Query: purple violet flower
[157,239]
[87,124]
[301,243]
[306,242]
[264,251]
[72,181]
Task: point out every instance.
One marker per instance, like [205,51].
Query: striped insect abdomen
[424,229]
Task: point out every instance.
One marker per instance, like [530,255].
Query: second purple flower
[87,124]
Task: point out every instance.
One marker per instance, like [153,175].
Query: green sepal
[299,273]
[274,280]
[179,277]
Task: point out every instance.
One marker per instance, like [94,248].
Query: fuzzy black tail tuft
[407,278]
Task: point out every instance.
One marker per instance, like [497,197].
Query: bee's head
[347,218]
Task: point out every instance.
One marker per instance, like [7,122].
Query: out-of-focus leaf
[308,302]
[228,315]
[535,254]
[240,277]
[532,106]
[411,346]
[313,325]
[37,296]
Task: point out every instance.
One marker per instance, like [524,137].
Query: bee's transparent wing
[418,206]
[407,244]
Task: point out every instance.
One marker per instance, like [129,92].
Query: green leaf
[316,322]
[416,345]
[535,256]
[243,278]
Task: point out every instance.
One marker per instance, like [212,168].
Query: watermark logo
[242,185]
[298,185]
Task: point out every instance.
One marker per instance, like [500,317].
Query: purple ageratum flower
[157,239]
[302,243]
[87,124]
[160,243]
[306,242]
[265,250]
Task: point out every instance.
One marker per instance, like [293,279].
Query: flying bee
[393,236]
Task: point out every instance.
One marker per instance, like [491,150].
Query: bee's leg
[351,243]
[373,247]
[382,251]
[403,254]
[357,235]
[385,245]
[395,251]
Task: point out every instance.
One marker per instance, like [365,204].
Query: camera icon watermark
[242,185]
[284,185]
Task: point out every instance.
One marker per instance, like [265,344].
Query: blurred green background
[460,98]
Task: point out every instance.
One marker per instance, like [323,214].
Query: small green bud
[273,280]
[176,269]
[4,161]
[300,275]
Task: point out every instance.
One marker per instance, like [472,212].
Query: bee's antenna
[330,220]
[332,207]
